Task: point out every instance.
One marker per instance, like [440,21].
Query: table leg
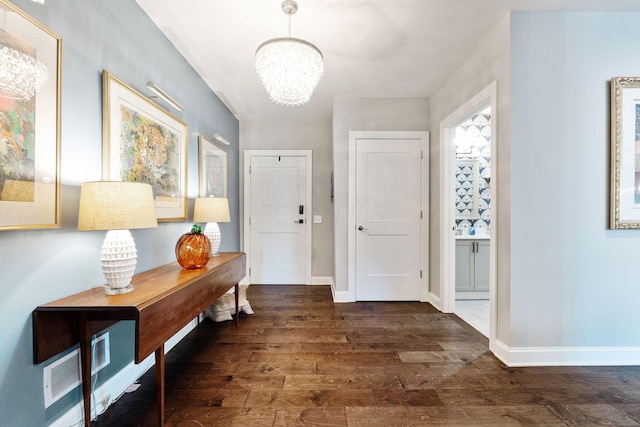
[85,363]
[237,292]
[160,383]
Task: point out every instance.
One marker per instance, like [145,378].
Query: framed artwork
[29,122]
[141,142]
[625,153]
[467,191]
[213,170]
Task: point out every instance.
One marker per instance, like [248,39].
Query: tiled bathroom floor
[475,313]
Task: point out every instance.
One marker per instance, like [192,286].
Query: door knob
[361,228]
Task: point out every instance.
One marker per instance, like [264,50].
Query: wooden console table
[163,301]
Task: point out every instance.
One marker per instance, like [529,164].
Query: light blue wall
[38,266]
[574,283]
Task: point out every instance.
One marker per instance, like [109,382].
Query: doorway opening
[468,244]
[472,211]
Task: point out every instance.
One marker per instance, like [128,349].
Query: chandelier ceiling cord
[289,68]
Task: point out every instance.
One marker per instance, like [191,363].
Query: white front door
[278,218]
[388,219]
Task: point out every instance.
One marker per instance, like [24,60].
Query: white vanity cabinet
[472,267]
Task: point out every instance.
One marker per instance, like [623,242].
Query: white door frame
[423,136]
[488,96]
[307,154]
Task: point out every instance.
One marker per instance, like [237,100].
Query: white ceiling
[372,48]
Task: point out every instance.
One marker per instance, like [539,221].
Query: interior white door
[388,219]
[277,219]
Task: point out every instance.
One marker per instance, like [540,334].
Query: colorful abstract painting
[17,135]
[17,143]
[150,153]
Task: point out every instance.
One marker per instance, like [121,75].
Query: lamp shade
[115,205]
[211,209]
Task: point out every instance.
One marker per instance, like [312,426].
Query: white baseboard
[342,296]
[435,301]
[322,280]
[566,356]
[116,385]
[110,390]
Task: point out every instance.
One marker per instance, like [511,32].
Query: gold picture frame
[142,142]
[625,153]
[213,169]
[30,126]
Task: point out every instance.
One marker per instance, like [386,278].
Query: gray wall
[315,136]
[363,114]
[42,265]
[565,263]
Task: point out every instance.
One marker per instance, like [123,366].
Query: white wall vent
[63,375]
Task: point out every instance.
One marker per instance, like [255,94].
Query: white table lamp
[212,210]
[117,207]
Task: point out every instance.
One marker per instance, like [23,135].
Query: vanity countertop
[473,237]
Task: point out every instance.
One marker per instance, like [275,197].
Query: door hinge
[421,213]
[249,271]
[249,169]
[421,274]
[249,220]
[421,154]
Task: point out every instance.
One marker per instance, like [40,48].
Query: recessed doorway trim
[486,97]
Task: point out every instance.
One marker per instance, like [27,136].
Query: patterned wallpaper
[478,130]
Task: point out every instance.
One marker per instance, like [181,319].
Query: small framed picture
[213,170]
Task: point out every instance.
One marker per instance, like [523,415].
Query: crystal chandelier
[21,75]
[289,68]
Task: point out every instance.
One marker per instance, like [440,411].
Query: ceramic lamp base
[212,231]
[119,258]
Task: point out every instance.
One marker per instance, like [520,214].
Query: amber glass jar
[193,249]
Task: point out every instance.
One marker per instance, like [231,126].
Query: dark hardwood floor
[303,360]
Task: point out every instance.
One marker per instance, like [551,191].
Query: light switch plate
[317,219]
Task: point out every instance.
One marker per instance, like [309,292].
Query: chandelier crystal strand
[21,75]
[289,68]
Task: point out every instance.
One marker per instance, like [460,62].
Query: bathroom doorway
[472,212]
[468,241]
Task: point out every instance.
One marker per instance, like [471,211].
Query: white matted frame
[142,142]
[213,169]
[30,143]
[625,153]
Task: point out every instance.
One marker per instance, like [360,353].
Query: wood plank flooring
[303,360]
